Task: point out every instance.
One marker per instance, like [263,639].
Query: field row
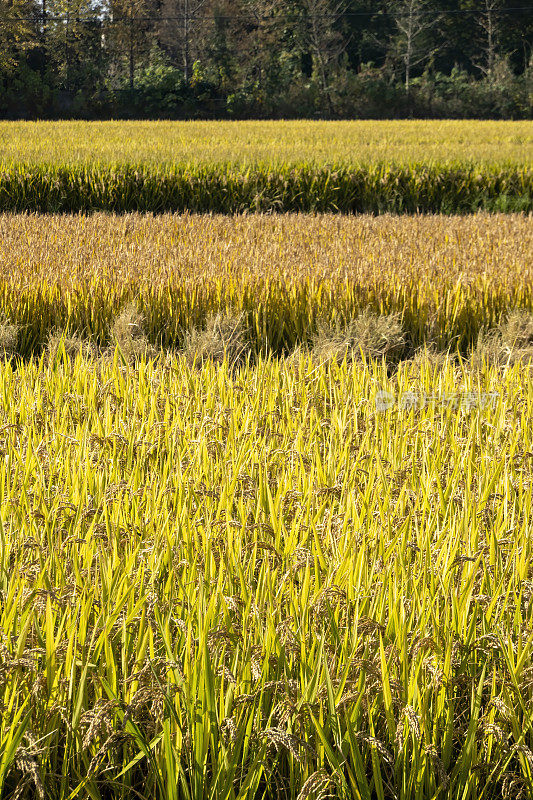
[289,276]
[217,188]
[227,168]
[343,608]
[246,143]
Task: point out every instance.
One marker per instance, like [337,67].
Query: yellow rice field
[256,542]
[224,583]
[447,276]
[318,142]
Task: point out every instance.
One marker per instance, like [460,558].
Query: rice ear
[224,337]
[368,335]
[128,333]
[9,336]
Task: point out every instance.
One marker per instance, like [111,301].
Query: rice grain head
[9,335]
[369,335]
[225,336]
[127,332]
[511,341]
[72,344]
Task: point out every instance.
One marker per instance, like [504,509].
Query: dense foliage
[265,58]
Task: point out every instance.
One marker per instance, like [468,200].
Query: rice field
[447,277]
[266,478]
[221,583]
[228,168]
[248,143]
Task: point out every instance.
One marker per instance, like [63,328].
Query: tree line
[266,58]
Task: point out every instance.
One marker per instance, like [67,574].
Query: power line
[254,17]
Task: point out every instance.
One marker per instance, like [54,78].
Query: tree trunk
[321,65]
[409,50]
[67,53]
[131,53]
[44,23]
[186,56]
[490,43]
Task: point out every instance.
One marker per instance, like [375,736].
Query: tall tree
[17,33]
[490,26]
[414,19]
[130,35]
[71,41]
[325,41]
[179,30]
[267,45]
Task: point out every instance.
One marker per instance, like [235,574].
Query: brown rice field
[448,277]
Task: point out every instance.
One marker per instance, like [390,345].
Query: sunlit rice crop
[241,583]
[272,143]
[266,480]
[221,167]
[447,278]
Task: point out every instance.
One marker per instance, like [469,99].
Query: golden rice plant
[277,142]
[224,167]
[254,581]
[286,277]
[452,188]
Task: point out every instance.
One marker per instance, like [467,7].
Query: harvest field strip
[448,277]
[247,143]
[243,583]
[221,167]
